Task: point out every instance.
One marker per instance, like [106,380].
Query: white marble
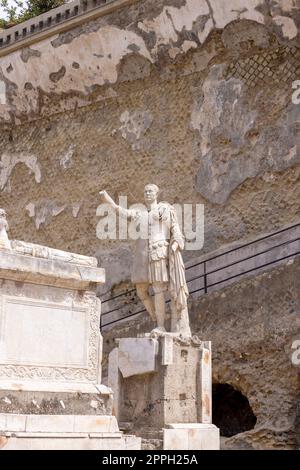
[205,379]
[191,436]
[59,387]
[167,350]
[51,272]
[157,257]
[114,379]
[137,356]
[10,422]
[54,304]
[47,333]
[67,441]
[51,347]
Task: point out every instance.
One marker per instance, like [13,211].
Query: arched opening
[231,411]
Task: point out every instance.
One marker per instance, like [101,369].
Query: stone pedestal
[50,353]
[191,436]
[161,381]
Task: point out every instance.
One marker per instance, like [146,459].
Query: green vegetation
[18,11]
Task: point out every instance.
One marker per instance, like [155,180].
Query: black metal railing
[208,278]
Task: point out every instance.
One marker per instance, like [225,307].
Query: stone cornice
[50,272]
[56,21]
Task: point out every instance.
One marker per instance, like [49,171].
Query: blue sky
[1,11]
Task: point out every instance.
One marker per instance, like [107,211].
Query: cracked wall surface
[192,94]
[39,78]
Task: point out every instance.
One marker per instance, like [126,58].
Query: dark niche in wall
[231,410]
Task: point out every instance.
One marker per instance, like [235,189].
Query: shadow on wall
[297,422]
[231,411]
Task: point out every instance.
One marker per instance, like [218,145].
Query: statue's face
[150,194]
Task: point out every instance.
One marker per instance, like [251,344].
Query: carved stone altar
[50,353]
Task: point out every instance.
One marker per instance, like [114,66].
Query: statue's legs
[159,289]
[142,290]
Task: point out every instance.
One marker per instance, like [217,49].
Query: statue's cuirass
[154,246]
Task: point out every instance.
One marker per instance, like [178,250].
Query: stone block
[58,333]
[12,422]
[49,423]
[51,352]
[205,384]
[176,374]
[95,424]
[49,442]
[57,423]
[191,436]
[137,356]
[54,304]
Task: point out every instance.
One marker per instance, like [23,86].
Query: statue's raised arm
[107,199]
[126,213]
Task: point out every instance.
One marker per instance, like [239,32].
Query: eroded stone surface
[134,124]
[234,144]
[8,163]
[191,436]
[43,211]
[57,66]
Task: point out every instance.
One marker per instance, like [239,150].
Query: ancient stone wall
[252,325]
[194,95]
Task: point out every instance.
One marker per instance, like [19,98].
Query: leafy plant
[18,11]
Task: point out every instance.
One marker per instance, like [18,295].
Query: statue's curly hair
[154,186]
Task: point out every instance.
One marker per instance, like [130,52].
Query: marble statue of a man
[157,261]
[4,241]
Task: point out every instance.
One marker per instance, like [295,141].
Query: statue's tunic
[158,228]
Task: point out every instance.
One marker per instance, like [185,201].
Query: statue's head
[150,193]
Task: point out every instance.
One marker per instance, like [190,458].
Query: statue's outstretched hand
[105,197]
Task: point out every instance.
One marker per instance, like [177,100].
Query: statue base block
[50,354]
[61,432]
[191,436]
[163,379]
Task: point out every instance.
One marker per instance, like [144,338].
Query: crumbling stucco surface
[236,137]
[194,95]
[8,163]
[211,121]
[39,78]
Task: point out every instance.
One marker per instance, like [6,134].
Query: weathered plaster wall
[192,94]
[62,72]
[252,325]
